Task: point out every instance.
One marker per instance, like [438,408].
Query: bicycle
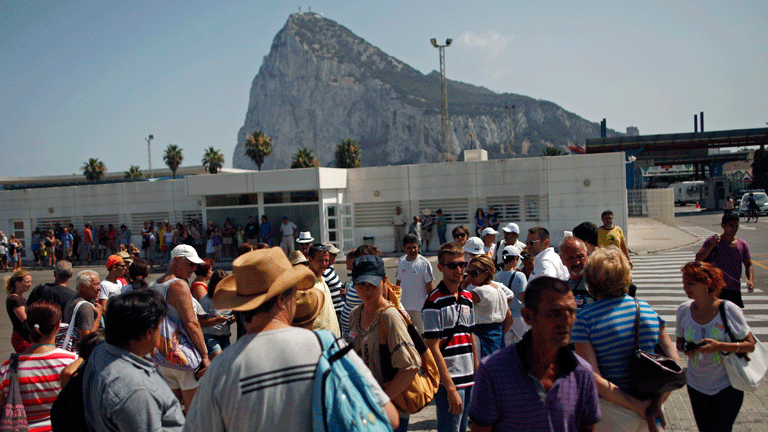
[751,214]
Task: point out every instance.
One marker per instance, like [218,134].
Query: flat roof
[680,141]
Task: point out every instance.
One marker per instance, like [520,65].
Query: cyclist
[752,208]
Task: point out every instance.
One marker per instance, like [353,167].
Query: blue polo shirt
[508,398]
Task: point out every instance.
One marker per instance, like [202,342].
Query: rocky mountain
[321,83]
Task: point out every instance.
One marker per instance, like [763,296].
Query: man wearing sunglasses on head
[318,259]
[449,320]
[546,262]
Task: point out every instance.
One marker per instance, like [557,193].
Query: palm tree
[348,154]
[173,158]
[258,146]
[304,158]
[134,172]
[94,169]
[552,151]
[213,160]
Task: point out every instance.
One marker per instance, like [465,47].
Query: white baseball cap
[511,228]
[188,252]
[488,230]
[305,237]
[510,251]
[474,246]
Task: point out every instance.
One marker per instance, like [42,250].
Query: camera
[525,256]
[691,346]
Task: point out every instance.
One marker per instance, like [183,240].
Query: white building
[555,192]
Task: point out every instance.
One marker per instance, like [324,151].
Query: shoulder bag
[744,371]
[14,415]
[67,335]
[425,385]
[652,374]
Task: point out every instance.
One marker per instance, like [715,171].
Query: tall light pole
[511,130]
[443,94]
[149,153]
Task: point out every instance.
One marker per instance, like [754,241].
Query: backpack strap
[637,325]
[71,328]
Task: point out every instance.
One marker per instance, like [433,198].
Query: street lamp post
[443,95]
[149,153]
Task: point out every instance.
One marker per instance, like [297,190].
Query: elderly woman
[366,322]
[492,315]
[701,337]
[39,367]
[604,336]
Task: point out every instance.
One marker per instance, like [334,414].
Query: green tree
[94,169]
[134,172]
[213,160]
[258,146]
[348,154]
[552,151]
[760,169]
[173,157]
[304,158]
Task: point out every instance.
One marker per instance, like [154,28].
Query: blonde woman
[492,315]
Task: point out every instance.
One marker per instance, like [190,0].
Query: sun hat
[125,256]
[296,257]
[510,251]
[511,228]
[332,249]
[309,303]
[112,260]
[489,230]
[474,246]
[368,268]
[186,251]
[305,237]
[257,276]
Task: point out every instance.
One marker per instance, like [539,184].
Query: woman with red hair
[701,336]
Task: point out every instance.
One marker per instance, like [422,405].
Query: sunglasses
[532,242]
[455,265]
[459,235]
[319,247]
[475,273]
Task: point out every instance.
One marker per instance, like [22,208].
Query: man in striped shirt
[332,279]
[449,319]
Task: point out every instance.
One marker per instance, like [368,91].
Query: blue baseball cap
[368,268]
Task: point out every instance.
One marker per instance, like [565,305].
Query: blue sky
[87,79]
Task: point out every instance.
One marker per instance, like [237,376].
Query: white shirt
[413,276]
[286,229]
[109,289]
[493,305]
[548,263]
[400,219]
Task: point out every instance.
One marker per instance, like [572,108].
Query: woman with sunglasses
[492,315]
[460,235]
[701,337]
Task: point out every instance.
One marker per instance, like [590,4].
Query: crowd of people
[522,337]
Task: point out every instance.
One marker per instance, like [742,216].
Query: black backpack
[68,410]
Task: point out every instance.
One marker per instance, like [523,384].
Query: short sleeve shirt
[730,259]
[287,229]
[413,276]
[610,237]
[109,289]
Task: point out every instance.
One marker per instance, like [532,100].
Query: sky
[87,78]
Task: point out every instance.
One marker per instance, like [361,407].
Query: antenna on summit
[299,9]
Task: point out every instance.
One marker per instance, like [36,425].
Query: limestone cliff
[321,83]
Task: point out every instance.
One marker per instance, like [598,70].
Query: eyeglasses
[532,242]
[458,235]
[475,273]
[190,263]
[454,265]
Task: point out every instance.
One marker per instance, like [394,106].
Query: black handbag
[654,373]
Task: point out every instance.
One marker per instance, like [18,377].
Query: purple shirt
[508,398]
[729,259]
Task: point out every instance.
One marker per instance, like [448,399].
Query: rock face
[321,83]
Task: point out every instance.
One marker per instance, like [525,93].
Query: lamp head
[434,42]
[448,42]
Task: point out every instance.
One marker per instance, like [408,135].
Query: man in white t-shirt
[110,286]
[511,233]
[546,262]
[414,277]
[289,231]
[252,375]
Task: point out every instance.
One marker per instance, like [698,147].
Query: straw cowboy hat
[309,303]
[257,277]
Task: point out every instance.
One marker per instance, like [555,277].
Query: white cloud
[491,41]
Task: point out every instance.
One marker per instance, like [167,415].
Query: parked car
[760,198]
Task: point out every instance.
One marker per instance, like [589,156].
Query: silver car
[761,199]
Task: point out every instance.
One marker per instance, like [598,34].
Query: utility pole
[511,130]
[149,153]
[443,95]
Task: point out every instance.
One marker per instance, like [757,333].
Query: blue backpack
[342,399]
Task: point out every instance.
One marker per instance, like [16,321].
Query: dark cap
[368,268]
